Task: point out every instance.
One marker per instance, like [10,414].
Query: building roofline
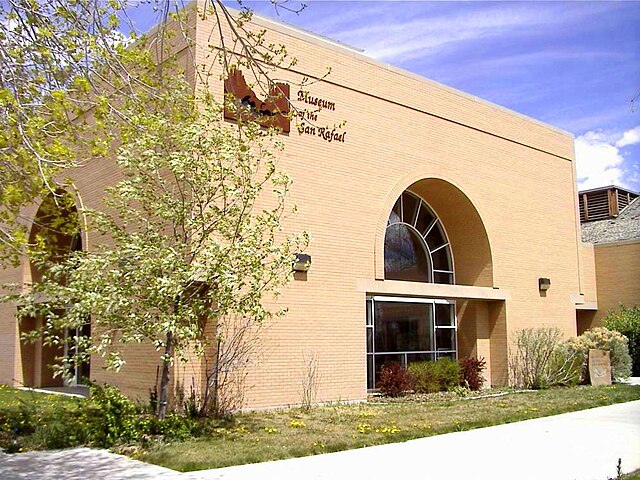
[608,187]
[302,34]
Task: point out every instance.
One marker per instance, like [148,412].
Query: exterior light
[544,284]
[302,262]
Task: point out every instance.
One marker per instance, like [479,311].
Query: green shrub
[439,376]
[627,322]
[539,359]
[106,419]
[110,417]
[38,421]
[59,428]
[565,366]
[602,338]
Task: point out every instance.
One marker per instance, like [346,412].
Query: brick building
[440,224]
[610,223]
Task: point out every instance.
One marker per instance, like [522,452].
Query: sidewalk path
[79,464]
[581,445]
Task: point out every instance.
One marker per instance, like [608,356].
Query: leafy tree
[626,320]
[190,238]
[65,64]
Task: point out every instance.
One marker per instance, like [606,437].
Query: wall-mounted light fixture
[302,262]
[544,284]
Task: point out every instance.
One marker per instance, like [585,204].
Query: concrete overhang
[587,306]
[432,290]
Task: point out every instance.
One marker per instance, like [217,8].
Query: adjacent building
[610,219]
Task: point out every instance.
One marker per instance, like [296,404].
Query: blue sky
[574,65]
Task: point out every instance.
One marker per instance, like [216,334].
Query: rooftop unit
[604,202]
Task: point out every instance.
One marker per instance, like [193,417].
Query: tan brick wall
[588,273]
[10,363]
[517,173]
[617,275]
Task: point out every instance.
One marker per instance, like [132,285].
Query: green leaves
[192,234]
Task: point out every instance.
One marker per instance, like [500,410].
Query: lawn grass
[24,414]
[14,397]
[264,436]
[632,475]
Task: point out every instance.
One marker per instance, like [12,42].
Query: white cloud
[401,32]
[630,137]
[401,41]
[599,160]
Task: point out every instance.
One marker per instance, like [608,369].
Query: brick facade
[502,184]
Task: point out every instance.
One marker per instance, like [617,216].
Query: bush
[539,359]
[111,417]
[106,419]
[471,369]
[439,376]
[602,338]
[59,428]
[627,322]
[565,366]
[394,380]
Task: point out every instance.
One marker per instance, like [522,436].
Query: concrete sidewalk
[79,464]
[581,445]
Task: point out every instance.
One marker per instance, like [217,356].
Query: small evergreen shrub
[424,377]
[394,380]
[627,322]
[471,369]
[439,376]
[602,338]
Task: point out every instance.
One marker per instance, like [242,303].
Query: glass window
[396,213]
[416,248]
[445,339]
[405,257]
[410,204]
[405,331]
[440,259]
[440,277]
[369,339]
[403,327]
[425,219]
[435,238]
[370,370]
[420,357]
[444,315]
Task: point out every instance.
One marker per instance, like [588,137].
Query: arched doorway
[55,234]
[423,305]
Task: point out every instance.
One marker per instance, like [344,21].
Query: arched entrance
[412,329]
[55,233]
[424,305]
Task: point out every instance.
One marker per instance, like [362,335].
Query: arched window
[416,248]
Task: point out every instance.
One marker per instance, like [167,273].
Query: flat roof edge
[335,45]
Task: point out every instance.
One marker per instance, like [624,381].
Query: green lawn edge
[276,435]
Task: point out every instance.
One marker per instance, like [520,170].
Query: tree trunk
[216,387]
[164,379]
